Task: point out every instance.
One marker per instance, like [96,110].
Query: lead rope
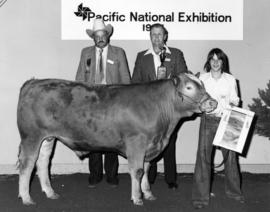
[190,100]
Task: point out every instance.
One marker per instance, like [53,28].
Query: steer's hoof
[138,202]
[53,196]
[27,201]
[150,197]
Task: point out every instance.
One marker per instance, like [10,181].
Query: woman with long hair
[221,85]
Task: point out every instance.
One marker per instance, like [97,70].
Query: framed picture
[233,129]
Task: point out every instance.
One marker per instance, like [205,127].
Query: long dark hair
[221,56]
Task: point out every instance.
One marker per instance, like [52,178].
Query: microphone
[161,70]
[162,55]
[162,48]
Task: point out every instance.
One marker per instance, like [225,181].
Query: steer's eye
[189,87]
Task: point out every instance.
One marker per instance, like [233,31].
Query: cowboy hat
[99,25]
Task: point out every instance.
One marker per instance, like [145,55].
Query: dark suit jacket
[117,71]
[144,70]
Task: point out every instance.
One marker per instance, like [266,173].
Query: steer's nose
[208,105]
[213,103]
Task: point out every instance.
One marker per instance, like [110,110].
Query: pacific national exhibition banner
[184,19]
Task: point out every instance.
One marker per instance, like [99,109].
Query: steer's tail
[18,163]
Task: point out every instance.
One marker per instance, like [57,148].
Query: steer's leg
[28,155]
[136,174]
[135,163]
[43,168]
[145,184]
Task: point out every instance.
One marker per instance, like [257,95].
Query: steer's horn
[175,80]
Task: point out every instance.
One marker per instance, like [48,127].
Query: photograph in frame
[233,129]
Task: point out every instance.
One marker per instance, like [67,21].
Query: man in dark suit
[155,63]
[103,64]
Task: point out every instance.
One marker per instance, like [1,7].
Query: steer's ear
[175,80]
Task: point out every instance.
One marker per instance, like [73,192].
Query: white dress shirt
[104,59]
[224,90]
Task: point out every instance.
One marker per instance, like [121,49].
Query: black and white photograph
[135,105]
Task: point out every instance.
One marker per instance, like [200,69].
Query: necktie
[99,71]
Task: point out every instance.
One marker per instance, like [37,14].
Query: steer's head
[191,95]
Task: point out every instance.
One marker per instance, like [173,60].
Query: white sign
[184,19]
[233,129]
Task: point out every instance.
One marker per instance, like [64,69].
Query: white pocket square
[168,59]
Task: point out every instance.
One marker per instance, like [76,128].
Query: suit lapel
[110,56]
[167,64]
[149,62]
[92,56]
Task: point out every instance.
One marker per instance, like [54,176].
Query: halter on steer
[191,100]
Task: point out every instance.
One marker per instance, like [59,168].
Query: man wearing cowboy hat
[103,64]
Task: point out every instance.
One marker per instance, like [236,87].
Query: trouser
[96,167]
[169,162]
[202,174]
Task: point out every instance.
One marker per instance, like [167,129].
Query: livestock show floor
[76,196]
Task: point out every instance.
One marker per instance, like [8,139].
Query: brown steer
[135,120]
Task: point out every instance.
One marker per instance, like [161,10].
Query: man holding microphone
[159,62]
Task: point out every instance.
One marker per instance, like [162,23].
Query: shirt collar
[105,49]
[212,78]
[151,50]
